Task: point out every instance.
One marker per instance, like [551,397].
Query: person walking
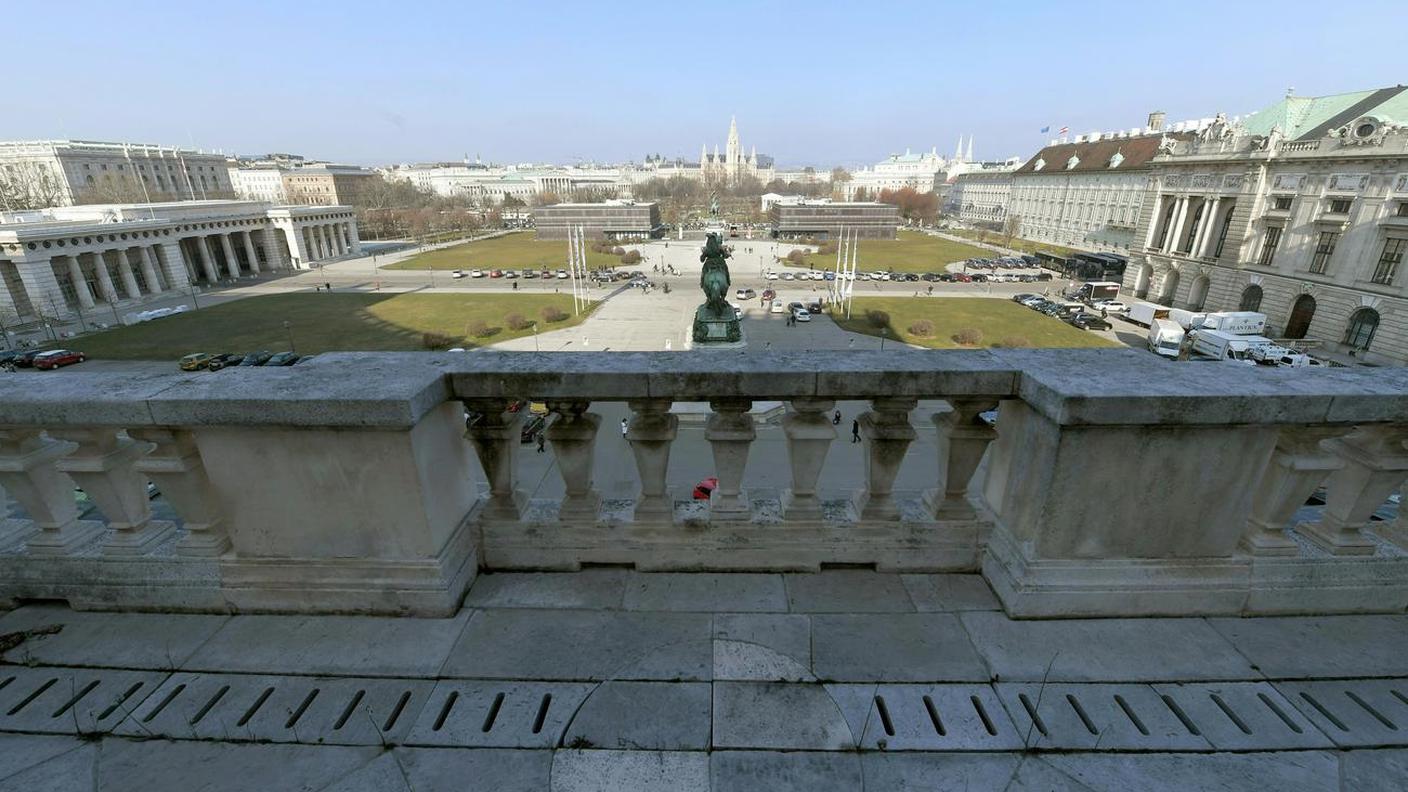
[623,428]
[836,419]
[542,438]
[855,430]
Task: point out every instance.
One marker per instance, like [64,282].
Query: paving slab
[894,647]
[857,704]
[777,715]
[331,645]
[18,752]
[733,771]
[950,593]
[1243,716]
[939,718]
[1345,646]
[382,774]
[69,771]
[143,766]
[943,772]
[58,700]
[589,588]
[584,645]
[771,647]
[629,771]
[1354,713]
[705,591]
[462,713]
[1104,650]
[1089,717]
[477,770]
[1286,771]
[1374,771]
[110,640]
[643,716]
[846,591]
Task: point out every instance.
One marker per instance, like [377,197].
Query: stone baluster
[730,433]
[104,465]
[887,434]
[963,437]
[1298,465]
[495,437]
[176,468]
[573,437]
[651,432]
[809,435]
[29,474]
[1375,463]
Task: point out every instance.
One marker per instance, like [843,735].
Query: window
[1268,246]
[1222,234]
[1324,248]
[1251,298]
[1281,203]
[1164,227]
[1389,260]
[1362,324]
[1340,206]
[1402,209]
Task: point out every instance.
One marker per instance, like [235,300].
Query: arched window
[1251,298]
[1362,324]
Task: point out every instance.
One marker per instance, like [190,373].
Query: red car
[705,488]
[496,273]
[55,358]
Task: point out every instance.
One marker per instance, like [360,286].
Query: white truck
[1095,291]
[1144,313]
[1245,323]
[1188,320]
[1165,338]
[1228,347]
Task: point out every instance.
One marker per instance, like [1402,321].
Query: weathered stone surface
[949,593]
[846,591]
[225,767]
[899,647]
[1307,771]
[113,640]
[1348,646]
[480,770]
[1373,771]
[702,591]
[734,771]
[643,716]
[783,716]
[19,752]
[590,588]
[762,647]
[928,772]
[74,770]
[629,771]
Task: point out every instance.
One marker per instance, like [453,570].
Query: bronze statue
[715,321]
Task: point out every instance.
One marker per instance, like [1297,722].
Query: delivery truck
[1165,338]
[1144,313]
[1188,320]
[1095,291]
[1225,346]
[1244,323]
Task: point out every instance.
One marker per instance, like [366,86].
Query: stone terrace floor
[616,680]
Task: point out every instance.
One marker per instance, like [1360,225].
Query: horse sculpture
[714,279]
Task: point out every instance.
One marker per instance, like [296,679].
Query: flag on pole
[1046,129]
[1064,130]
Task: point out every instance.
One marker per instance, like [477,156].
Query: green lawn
[1025,245]
[511,251]
[1001,322]
[327,322]
[910,251]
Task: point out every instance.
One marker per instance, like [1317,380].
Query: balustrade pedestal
[809,436]
[29,473]
[104,465]
[887,434]
[572,435]
[651,431]
[730,433]
[1374,465]
[175,467]
[962,439]
[1297,466]
[495,437]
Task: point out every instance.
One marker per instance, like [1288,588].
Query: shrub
[552,313]
[877,319]
[516,321]
[618,251]
[796,257]
[480,328]
[922,329]
[968,336]
[1015,342]
[435,340]
[631,257]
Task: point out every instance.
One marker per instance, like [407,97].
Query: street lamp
[288,328]
[884,331]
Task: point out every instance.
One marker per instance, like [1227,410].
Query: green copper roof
[1313,116]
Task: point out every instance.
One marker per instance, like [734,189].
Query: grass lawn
[1026,245]
[511,251]
[325,323]
[910,251]
[1001,322]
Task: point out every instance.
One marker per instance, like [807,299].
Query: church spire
[958,153]
[969,158]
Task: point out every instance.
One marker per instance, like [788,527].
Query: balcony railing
[1112,483]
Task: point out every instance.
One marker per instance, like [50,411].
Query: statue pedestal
[710,332]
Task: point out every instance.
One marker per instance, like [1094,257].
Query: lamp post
[288,328]
[884,332]
[535,338]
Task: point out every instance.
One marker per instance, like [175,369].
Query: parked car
[282,359]
[1111,306]
[224,360]
[25,358]
[745,294]
[769,294]
[562,274]
[1087,321]
[457,274]
[195,361]
[476,273]
[801,315]
[778,307]
[530,273]
[256,358]
[496,273]
[788,276]
[829,276]
[814,307]
[511,274]
[771,275]
[54,358]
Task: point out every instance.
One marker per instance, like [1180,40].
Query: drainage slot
[1080,713]
[32,696]
[80,694]
[934,717]
[1286,719]
[401,705]
[1032,713]
[1320,708]
[302,708]
[170,697]
[542,713]
[885,716]
[121,700]
[445,710]
[209,705]
[8,680]
[347,713]
[1395,693]
[1377,715]
[1129,713]
[493,713]
[1181,715]
[253,708]
[1232,716]
[982,713]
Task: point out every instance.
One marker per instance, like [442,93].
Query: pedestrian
[1103,314]
[623,427]
[515,285]
[931,290]
[855,430]
[542,438]
[836,419]
[329,285]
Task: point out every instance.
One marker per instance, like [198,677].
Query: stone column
[333,252]
[887,435]
[1375,464]
[963,437]
[80,283]
[249,251]
[42,286]
[1179,214]
[354,240]
[144,253]
[231,263]
[1209,228]
[29,474]
[651,431]
[573,436]
[275,253]
[100,268]
[175,467]
[338,242]
[1154,220]
[494,436]
[207,263]
[1297,466]
[809,435]
[129,280]
[105,467]
[173,263]
[730,432]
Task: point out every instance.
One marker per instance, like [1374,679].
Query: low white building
[259,183]
[491,184]
[42,173]
[982,196]
[59,261]
[918,171]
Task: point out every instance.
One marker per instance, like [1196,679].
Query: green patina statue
[715,320]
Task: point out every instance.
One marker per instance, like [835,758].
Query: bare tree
[106,191]
[31,185]
[1010,227]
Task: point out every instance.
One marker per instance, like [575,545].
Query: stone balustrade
[1111,483]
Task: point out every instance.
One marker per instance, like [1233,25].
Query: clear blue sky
[816,83]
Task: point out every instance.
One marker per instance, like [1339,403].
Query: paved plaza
[614,680]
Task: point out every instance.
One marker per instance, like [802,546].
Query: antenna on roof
[1291,91]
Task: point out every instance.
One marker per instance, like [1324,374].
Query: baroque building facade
[733,165]
[1300,211]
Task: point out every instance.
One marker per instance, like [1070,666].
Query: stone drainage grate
[71,700]
[498,714]
[1354,713]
